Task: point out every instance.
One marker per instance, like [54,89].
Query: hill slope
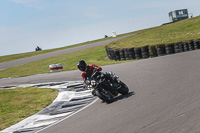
[184,30]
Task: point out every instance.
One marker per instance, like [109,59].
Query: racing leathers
[89,71]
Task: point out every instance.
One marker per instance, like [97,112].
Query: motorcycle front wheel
[105,96]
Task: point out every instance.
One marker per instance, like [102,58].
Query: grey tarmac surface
[166,99]
[13,63]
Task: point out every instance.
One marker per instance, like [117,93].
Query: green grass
[184,30]
[95,55]
[20,103]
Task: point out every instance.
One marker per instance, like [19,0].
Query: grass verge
[20,103]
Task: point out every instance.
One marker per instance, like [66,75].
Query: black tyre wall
[181,46]
[197,44]
[176,48]
[152,51]
[126,54]
[191,45]
[117,54]
[138,53]
[110,56]
[169,48]
[131,53]
[113,54]
[145,51]
[186,47]
[161,50]
[122,56]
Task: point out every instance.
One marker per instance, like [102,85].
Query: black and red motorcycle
[106,86]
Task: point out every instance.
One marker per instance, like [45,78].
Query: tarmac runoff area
[68,102]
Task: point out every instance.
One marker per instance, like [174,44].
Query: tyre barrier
[181,47]
[170,48]
[177,47]
[131,53]
[108,51]
[197,44]
[138,53]
[191,45]
[161,50]
[117,54]
[153,51]
[145,51]
[186,47]
[121,54]
[112,54]
[126,54]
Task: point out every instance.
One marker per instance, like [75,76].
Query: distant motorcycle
[104,87]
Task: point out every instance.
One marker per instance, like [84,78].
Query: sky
[25,24]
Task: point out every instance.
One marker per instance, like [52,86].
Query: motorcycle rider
[87,71]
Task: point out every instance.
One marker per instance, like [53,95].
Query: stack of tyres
[126,54]
[138,53]
[197,44]
[191,45]
[169,48]
[152,51]
[177,47]
[186,47]
[108,52]
[122,56]
[112,54]
[131,53]
[161,50]
[145,51]
[117,54]
[181,46]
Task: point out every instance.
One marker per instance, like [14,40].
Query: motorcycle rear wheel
[105,96]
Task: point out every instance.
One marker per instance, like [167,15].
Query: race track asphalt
[166,98]
[13,63]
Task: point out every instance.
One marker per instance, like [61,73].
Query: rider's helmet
[81,65]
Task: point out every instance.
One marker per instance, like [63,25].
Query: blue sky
[25,24]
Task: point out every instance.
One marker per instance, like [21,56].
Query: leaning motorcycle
[106,86]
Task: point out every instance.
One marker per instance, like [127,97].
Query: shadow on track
[121,97]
